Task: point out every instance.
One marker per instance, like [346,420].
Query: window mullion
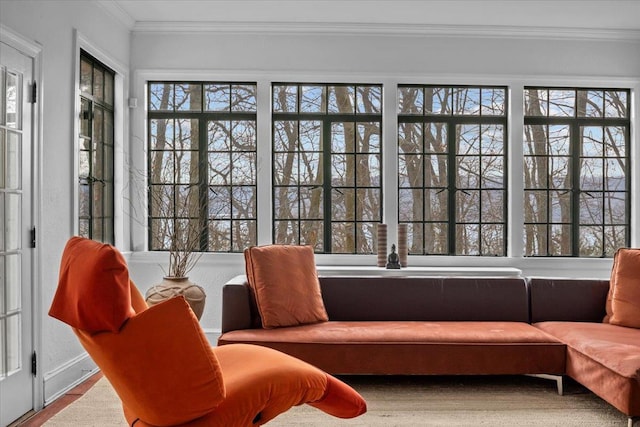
[576,188]
[451,182]
[203,182]
[326,183]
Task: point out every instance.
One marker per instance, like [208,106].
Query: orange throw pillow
[93,292]
[625,289]
[612,281]
[285,284]
[160,364]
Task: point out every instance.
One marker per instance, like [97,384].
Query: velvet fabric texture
[603,357]
[162,366]
[414,347]
[623,303]
[93,287]
[262,383]
[285,284]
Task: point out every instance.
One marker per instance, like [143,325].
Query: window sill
[326,270]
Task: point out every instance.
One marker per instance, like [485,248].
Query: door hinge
[34,364]
[34,93]
[33,238]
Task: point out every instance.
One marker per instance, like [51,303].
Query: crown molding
[325,28]
[115,10]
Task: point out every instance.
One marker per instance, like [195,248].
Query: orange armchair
[162,366]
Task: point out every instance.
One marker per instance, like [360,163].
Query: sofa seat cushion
[397,332]
[603,357]
[412,347]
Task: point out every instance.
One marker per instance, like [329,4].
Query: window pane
[217,97]
[436,205]
[410,204]
[160,97]
[312,99]
[468,206]
[410,100]
[243,168]
[493,102]
[437,100]
[86,76]
[615,104]
[98,84]
[410,171]
[343,204]
[343,239]
[244,135]
[188,97]
[285,99]
[310,135]
[562,103]
[341,99]
[243,98]
[536,102]
[369,100]
[466,101]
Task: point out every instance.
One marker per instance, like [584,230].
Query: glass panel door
[16,383]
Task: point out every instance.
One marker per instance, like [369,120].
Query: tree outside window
[327,166]
[576,171]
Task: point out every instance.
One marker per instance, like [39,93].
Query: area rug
[413,401]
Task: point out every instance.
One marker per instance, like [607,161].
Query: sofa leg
[634,421]
[556,378]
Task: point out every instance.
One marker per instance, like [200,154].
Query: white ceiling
[599,15]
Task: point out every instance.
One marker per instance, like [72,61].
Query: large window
[576,171]
[202,166]
[452,169]
[327,186]
[95,173]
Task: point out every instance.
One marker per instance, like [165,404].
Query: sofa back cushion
[426,298]
[284,282]
[568,300]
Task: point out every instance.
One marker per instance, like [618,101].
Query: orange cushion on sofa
[625,295]
[612,281]
[93,292]
[285,283]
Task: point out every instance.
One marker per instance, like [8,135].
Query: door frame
[34,51]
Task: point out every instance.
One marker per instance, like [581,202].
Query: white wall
[513,61]
[52,25]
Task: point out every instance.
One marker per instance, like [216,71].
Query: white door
[16,328]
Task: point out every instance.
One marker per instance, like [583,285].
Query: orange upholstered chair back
[157,359]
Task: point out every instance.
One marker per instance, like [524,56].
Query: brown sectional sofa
[456,325]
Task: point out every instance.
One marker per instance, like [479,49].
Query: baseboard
[62,379]
[212,335]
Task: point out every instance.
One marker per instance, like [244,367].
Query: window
[576,171]
[202,166]
[95,186]
[451,164]
[327,188]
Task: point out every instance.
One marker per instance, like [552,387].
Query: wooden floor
[35,419]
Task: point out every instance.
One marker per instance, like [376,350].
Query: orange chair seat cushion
[262,383]
[93,291]
[285,284]
[623,302]
[160,364]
